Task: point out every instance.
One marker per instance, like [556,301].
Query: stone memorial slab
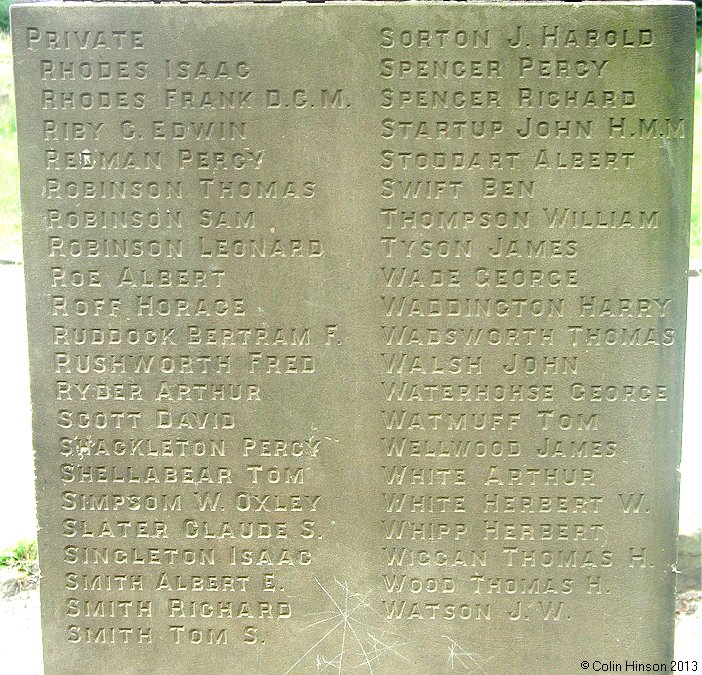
[356,332]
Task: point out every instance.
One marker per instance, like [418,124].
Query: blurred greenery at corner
[5,15]
[10,226]
[21,561]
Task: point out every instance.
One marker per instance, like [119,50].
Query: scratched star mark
[461,659]
[351,639]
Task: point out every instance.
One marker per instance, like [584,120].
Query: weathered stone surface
[356,332]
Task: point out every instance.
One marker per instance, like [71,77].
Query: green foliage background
[5,15]
[10,224]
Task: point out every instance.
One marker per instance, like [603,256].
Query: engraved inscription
[355,332]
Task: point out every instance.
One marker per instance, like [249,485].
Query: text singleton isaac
[340,360]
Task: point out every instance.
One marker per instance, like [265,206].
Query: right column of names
[510,203]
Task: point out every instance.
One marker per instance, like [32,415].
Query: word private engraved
[356,331]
